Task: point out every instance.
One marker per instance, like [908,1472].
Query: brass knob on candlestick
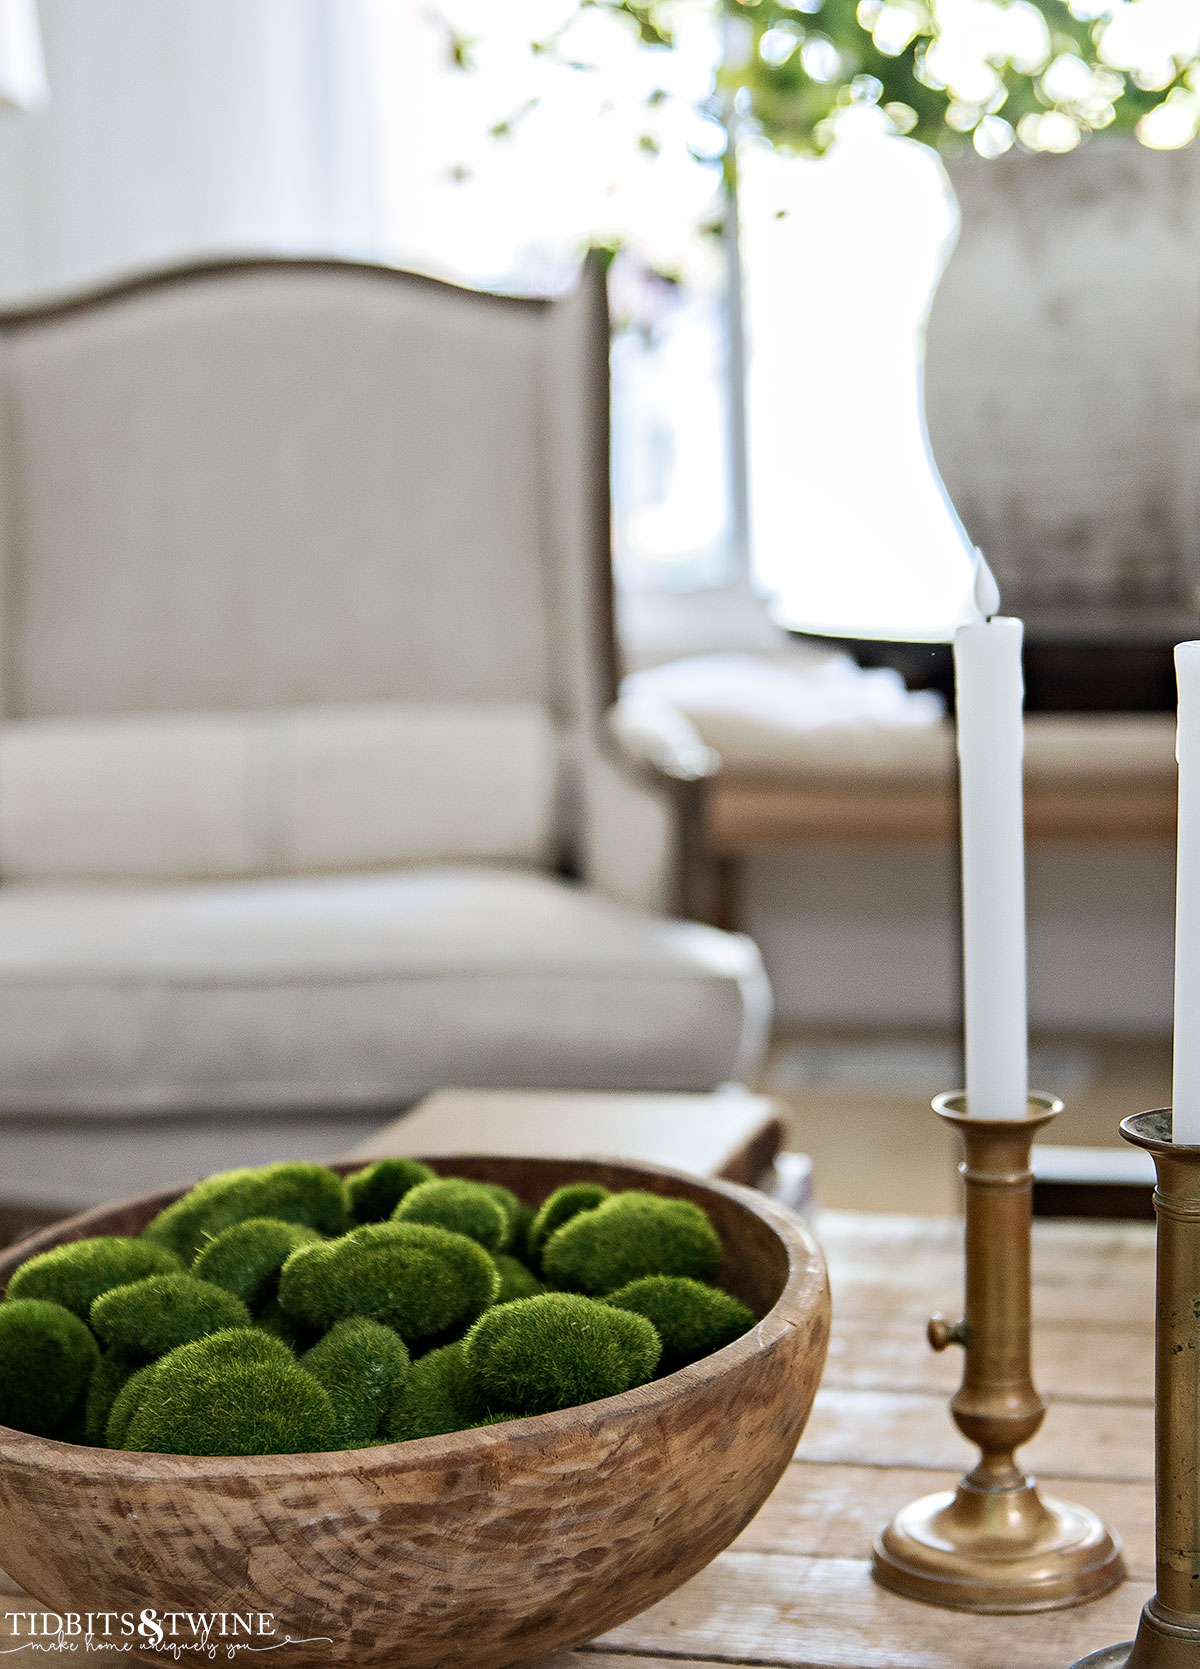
[942,1333]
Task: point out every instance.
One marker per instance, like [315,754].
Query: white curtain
[22,67]
[185,127]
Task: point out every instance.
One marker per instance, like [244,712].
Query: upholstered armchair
[309,799]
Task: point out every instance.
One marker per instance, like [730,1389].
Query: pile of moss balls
[286,1310]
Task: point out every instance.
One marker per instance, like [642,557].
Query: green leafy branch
[791,66]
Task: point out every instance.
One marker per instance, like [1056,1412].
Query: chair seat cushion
[358,991]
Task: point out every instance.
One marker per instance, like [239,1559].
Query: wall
[869,936]
[198,127]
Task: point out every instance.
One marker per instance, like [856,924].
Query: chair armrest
[655,734]
[641,784]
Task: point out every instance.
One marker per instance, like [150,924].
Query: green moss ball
[246,1259]
[374,1192]
[559,1207]
[126,1403]
[557,1350]
[361,1365]
[628,1236]
[228,1395]
[47,1356]
[436,1396]
[151,1317]
[236,1345]
[465,1207]
[416,1278]
[518,1213]
[272,1318]
[111,1374]
[76,1274]
[522,1223]
[691,1319]
[516,1281]
[292,1192]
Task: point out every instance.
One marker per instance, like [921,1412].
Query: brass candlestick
[994,1543]
[1168,1634]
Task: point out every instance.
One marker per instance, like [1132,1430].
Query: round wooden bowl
[483,1548]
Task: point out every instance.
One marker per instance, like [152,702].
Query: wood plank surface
[1078,1440]
[889,1269]
[827,1511]
[795,1589]
[1068,1363]
[784,1609]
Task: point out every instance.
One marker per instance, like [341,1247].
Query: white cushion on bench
[357,990]
[810,714]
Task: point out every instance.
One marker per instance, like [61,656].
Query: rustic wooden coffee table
[795,1589]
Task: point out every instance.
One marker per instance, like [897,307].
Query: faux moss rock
[235,1345]
[292,1192]
[559,1207]
[246,1259]
[464,1207]
[436,1396]
[234,1393]
[47,1356]
[374,1192]
[416,1278]
[272,1318]
[126,1403]
[516,1281]
[518,1213]
[628,1236]
[151,1317]
[76,1274]
[522,1223]
[361,1365]
[691,1319]
[559,1349]
[112,1372]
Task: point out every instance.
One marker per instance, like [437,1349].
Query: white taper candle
[989,693]
[1186,1091]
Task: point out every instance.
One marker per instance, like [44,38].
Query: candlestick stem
[995,1544]
[1168,1635]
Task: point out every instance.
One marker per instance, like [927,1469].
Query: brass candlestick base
[994,1543]
[1168,1635]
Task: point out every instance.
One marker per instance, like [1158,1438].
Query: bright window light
[853,534]
[670,440]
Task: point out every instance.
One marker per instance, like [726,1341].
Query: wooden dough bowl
[482,1548]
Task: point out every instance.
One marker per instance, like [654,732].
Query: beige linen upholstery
[358,991]
[305,656]
[197,796]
